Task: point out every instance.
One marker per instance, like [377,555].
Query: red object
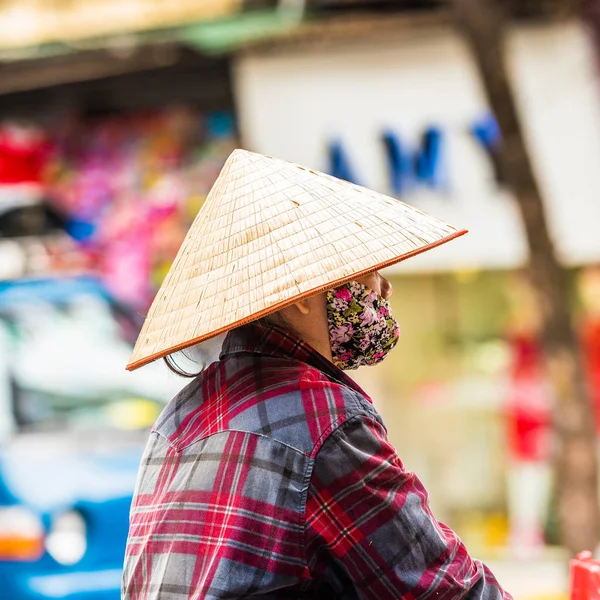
[23,155]
[590,339]
[585,577]
[528,408]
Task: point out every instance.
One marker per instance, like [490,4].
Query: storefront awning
[43,22]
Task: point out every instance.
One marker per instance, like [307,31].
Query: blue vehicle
[73,424]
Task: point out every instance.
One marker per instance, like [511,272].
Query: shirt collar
[257,338]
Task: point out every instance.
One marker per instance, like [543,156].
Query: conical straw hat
[269,234]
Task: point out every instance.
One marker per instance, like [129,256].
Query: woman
[270,475]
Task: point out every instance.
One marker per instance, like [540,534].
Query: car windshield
[63,365]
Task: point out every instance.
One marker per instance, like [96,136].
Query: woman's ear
[303,306]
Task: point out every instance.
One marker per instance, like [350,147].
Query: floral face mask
[362,330]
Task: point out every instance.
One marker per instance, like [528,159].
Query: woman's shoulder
[314,401]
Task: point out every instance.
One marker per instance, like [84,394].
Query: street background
[115,119]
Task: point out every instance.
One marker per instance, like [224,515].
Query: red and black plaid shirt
[271,476]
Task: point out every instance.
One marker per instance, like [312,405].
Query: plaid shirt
[271,476]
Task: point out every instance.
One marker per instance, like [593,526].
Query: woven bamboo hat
[269,234]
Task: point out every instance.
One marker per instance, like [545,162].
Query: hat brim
[280,305]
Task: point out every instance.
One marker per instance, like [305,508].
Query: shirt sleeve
[370,533]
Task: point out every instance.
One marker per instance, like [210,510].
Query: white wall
[292,102]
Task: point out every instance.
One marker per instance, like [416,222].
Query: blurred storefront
[103,175]
[400,109]
[125,187]
[404,112]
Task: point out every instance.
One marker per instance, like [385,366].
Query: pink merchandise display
[130,185]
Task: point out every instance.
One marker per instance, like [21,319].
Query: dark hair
[174,367]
